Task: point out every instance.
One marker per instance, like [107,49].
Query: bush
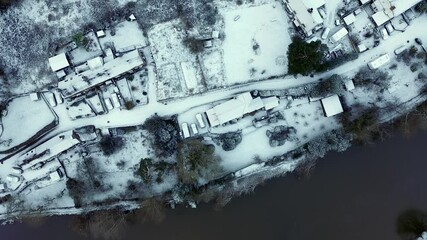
[411,224]
[332,85]
[376,80]
[328,65]
[304,58]
[229,141]
[6,3]
[195,45]
[195,161]
[110,145]
[362,127]
[80,39]
[129,105]
[414,67]
[76,190]
[165,135]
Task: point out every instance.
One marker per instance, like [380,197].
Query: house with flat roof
[332,105]
[77,83]
[307,16]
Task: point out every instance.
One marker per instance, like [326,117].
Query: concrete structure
[306,15]
[380,61]
[75,84]
[270,103]
[58,62]
[332,105]
[233,109]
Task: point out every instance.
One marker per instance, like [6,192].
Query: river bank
[357,194]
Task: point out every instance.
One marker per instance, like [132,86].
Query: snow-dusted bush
[164,133]
[279,135]
[197,161]
[110,145]
[375,80]
[230,140]
[336,140]
[332,85]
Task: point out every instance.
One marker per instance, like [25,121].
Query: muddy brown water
[353,195]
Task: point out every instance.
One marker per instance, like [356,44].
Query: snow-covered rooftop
[58,62]
[233,109]
[75,83]
[332,105]
[339,34]
[387,9]
[307,20]
[380,61]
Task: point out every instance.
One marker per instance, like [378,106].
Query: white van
[108,104]
[200,120]
[116,101]
[185,131]
[194,129]
[384,33]
[389,28]
[325,33]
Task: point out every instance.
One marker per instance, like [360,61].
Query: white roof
[233,109]
[54,176]
[75,83]
[215,34]
[361,47]
[95,62]
[349,19]
[380,61]
[380,18]
[349,85]
[132,17]
[100,33]
[332,105]
[307,20]
[58,62]
[364,1]
[34,96]
[270,103]
[339,35]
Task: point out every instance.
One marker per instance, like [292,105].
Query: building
[339,35]
[332,105]
[307,16]
[349,19]
[270,103]
[233,109]
[76,83]
[380,61]
[58,62]
[385,10]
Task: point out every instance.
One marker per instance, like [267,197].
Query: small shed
[132,18]
[332,105]
[59,62]
[34,96]
[100,34]
[349,85]
[95,62]
[215,34]
[270,103]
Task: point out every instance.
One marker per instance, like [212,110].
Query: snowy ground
[127,36]
[256,43]
[23,119]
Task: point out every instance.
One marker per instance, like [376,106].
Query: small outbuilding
[58,62]
[34,96]
[332,105]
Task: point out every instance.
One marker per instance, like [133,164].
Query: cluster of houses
[95,75]
[40,167]
[358,18]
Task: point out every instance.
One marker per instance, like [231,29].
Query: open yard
[256,42]
[24,119]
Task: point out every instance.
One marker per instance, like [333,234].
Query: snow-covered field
[24,119]
[256,42]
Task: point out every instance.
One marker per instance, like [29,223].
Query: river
[357,194]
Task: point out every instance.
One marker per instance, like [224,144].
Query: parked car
[194,129]
[389,28]
[384,33]
[399,50]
